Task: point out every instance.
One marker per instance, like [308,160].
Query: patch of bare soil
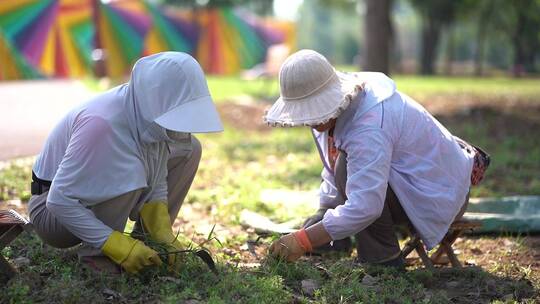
[15,204]
[497,251]
[502,261]
[249,115]
[197,221]
[244,116]
[499,120]
[449,105]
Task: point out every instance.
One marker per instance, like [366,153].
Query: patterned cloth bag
[481,161]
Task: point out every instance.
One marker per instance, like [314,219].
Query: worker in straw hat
[128,152]
[386,161]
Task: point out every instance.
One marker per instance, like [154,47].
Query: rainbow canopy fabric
[57,38]
[45,37]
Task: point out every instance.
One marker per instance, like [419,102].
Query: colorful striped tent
[53,37]
[122,28]
[56,38]
[227,43]
[173,30]
[12,64]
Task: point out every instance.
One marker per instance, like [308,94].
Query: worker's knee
[51,231]
[196,150]
[59,240]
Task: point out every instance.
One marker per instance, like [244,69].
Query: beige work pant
[115,212]
[378,242]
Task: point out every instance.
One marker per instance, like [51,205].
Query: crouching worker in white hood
[386,161]
[127,152]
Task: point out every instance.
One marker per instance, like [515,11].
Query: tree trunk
[431,30]
[519,49]
[450,46]
[481,36]
[378,34]
[479,55]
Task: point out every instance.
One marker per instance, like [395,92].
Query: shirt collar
[346,117]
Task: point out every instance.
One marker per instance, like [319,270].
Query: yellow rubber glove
[291,246]
[129,253]
[156,221]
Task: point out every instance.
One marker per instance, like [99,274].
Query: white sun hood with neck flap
[177,81]
[120,140]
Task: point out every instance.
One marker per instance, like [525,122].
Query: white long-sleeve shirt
[112,145]
[391,139]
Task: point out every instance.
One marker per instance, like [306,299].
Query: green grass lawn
[55,276]
[225,87]
[239,165]
[425,87]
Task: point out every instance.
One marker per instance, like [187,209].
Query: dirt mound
[244,116]
[248,115]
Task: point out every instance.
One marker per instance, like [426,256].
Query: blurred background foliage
[475,37]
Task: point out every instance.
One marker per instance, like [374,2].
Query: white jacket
[113,145]
[391,139]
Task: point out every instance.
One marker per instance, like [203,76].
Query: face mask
[179,143]
[154,133]
[178,136]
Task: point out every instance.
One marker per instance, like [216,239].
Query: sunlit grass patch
[500,87]
[421,87]
[15,179]
[238,166]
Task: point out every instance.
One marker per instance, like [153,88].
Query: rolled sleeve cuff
[333,226]
[341,222]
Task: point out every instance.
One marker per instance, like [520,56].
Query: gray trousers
[378,242]
[115,212]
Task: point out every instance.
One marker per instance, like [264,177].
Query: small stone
[508,297]
[369,280]
[21,261]
[171,279]
[470,262]
[229,252]
[110,294]
[192,301]
[508,243]
[476,251]
[244,247]
[309,286]
[452,284]
[249,265]
[14,203]
[428,295]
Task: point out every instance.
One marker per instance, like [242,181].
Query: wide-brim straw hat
[312,91]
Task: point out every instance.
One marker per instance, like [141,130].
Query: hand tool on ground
[203,254]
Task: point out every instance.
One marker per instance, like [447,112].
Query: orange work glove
[291,246]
